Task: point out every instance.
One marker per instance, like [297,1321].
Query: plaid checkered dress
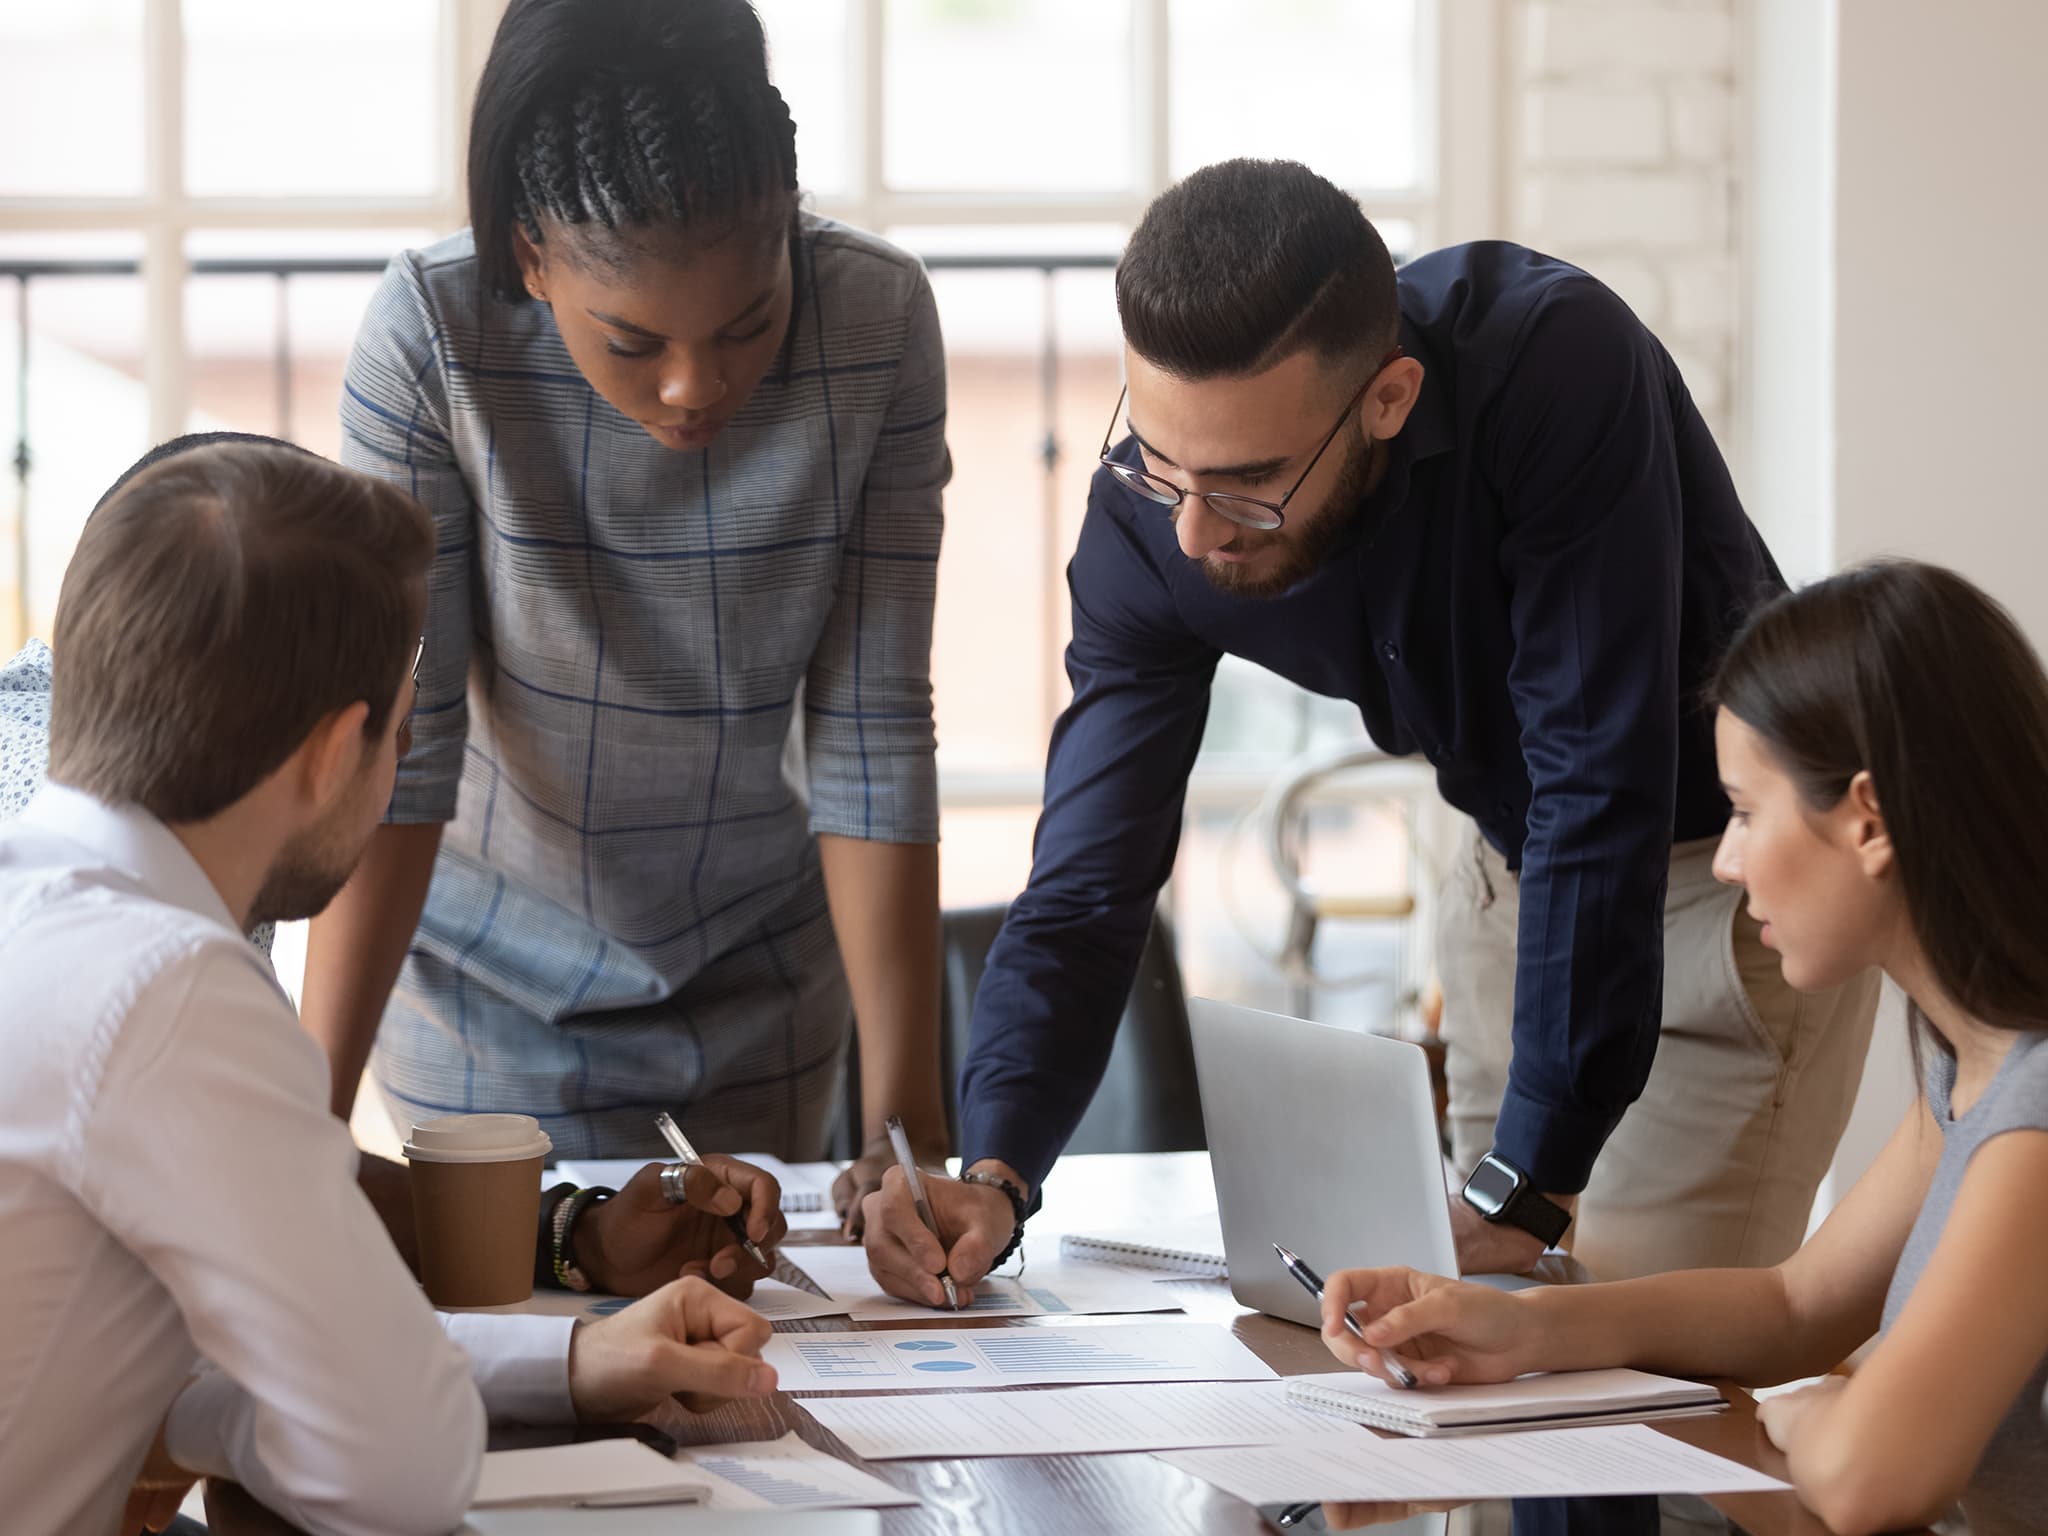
[628,913]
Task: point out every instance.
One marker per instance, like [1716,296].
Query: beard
[310,871]
[1290,557]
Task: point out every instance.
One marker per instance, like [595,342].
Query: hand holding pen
[908,1164]
[672,1180]
[1312,1282]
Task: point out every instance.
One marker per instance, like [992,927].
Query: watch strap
[1537,1214]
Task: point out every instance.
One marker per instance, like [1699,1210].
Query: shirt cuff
[520,1364]
[1017,1134]
[1554,1144]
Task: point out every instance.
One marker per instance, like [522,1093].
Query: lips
[684,437]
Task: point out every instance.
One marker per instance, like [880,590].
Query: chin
[1810,973]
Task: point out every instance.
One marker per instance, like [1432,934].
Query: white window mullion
[867,65]
[165,370]
[1152,96]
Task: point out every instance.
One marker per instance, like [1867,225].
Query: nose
[693,384]
[1201,531]
[1727,859]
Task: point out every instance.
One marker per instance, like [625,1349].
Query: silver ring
[672,1184]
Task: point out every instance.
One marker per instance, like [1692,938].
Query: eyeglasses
[405,725]
[1245,511]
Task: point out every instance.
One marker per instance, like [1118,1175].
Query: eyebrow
[1730,790]
[1249,469]
[618,322]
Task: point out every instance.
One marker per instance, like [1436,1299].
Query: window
[209,191]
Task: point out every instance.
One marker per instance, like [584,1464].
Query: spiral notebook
[1192,1247]
[1556,1400]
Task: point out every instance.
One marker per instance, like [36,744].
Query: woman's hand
[1445,1330]
[1783,1416]
[863,1177]
[687,1338]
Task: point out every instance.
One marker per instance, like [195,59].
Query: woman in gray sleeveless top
[1883,740]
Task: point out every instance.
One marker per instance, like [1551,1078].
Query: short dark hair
[1910,673]
[626,116]
[223,600]
[1249,261]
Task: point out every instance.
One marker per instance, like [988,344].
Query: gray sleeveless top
[2009,1494]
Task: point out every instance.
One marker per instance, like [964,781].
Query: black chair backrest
[1148,1101]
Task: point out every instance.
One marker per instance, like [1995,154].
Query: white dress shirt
[176,1202]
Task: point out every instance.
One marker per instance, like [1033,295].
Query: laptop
[1322,1139]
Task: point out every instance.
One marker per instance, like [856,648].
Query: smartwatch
[1501,1192]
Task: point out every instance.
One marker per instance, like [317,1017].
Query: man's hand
[864,1176]
[686,1338]
[636,1242]
[975,1221]
[1495,1247]
[1443,1330]
[160,1487]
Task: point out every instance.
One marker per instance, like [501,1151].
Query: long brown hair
[1911,673]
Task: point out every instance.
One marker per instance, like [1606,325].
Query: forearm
[885,912]
[355,948]
[1701,1322]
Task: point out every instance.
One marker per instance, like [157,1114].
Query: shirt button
[1390,651]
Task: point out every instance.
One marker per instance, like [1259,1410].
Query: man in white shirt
[189,1259]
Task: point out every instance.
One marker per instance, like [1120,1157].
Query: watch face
[1490,1187]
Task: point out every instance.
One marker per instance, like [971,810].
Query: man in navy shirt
[1478,501]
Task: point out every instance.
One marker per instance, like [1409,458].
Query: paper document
[1548,1400]
[806,1187]
[1070,1421]
[785,1474]
[592,1474]
[1041,1289]
[1536,1463]
[921,1360]
[1190,1246]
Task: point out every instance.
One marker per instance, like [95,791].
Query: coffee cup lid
[477,1139]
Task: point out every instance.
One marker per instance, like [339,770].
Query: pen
[687,1155]
[1313,1284]
[908,1164]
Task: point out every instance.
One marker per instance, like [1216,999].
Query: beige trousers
[1717,1163]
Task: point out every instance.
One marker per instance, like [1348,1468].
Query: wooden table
[1057,1495]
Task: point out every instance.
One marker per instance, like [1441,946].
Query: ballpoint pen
[908,1164]
[1313,1284]
[672,1190]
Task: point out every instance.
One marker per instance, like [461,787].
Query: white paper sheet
[931,1360]
[594,1472]
[1068,1289]
[1537,1463]
[785,1474]
[1069,1421]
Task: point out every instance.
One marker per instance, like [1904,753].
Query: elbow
[415,1478]
[1857,1494]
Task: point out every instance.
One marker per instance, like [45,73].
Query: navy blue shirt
[1532,598]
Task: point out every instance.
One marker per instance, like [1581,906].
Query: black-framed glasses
[1245,511]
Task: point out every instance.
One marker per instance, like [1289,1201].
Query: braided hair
[633,120]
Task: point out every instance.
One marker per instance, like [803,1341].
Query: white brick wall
[1624,160]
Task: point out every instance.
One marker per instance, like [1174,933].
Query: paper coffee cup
[475,1203]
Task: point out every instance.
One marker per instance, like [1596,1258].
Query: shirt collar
[134,842]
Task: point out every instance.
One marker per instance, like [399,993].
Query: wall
[1622,157]
[1898,208]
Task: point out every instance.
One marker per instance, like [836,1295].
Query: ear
[1869,837]
[1384,411]
[533,263]
[332,754]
